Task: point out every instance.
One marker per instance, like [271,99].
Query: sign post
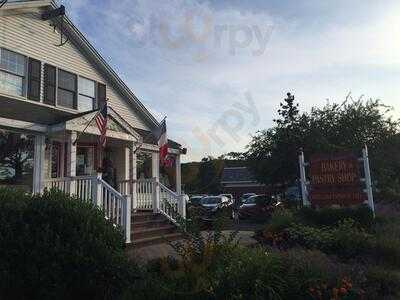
[303,179]
[368,180]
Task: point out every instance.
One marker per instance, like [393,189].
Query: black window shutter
[50,85]
[34,79]
[101,95]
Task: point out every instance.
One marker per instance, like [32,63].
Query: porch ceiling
[30,111]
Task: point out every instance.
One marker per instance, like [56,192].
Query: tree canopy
[335,127]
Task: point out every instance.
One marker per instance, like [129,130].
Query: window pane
[67,80]
[50,74]
[12,62]
[86,87]
[16,160]
[11,83]
[65,98]
[85,161]
[85,103]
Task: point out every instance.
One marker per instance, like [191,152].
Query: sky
[219,69]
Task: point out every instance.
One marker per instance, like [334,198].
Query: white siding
[28,35]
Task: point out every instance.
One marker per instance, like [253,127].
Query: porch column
[133,177]
[155,173]
[39,160]
[178,174]
[71,161]
[126,163]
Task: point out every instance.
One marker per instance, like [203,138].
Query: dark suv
[258,206]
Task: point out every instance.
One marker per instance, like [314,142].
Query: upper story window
[67,87]
[22,76]
[12,72]
[87,94]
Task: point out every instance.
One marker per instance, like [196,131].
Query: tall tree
[272,153]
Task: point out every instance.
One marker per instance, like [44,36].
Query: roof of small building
[147,135]
[237,174]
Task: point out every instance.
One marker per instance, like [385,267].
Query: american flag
[161,135]
[101,121]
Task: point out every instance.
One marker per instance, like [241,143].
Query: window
[66,95]
[85,160]
[86,98]
[12,72]
[16,160]
[101,95]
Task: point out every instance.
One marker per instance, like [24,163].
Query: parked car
[195,200]
[245,197]
[258,206]
[210,206]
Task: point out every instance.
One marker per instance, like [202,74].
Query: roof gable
[78,40]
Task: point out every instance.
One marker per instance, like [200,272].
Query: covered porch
[124,177]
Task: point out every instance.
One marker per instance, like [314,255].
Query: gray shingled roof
[237,174]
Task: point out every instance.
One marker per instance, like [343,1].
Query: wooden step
[142,233]
[138,243]
[146,216]
[149,224]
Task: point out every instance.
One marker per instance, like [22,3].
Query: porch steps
[149,228]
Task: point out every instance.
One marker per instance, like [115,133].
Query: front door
[85,160]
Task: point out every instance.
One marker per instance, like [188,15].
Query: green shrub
[249,274]
[386,250]
[311,237]
[55,247]
[346,240]
[244,273]
[332,216]
[382,283]
[350,241]
[280,220]
[385,247]
[313,275]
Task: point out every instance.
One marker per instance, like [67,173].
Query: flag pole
[83,131]
[87,125]
[148,135]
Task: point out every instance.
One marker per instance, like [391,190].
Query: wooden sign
[335,180]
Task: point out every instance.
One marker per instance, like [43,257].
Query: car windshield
[211,200]
[257,199]
[251,200]
[195,200]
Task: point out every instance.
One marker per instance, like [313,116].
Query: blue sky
[218,69]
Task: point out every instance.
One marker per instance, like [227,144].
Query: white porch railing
[145,189]
[153,195]
[116,207]
[171,204]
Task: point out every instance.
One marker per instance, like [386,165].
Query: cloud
[193,60]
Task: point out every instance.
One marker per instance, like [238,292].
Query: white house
[48,94]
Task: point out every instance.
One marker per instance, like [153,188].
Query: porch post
[178,174]
[71,162]
[133,177]
[126,164]
[127,209]
[39,157]
[156,175]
